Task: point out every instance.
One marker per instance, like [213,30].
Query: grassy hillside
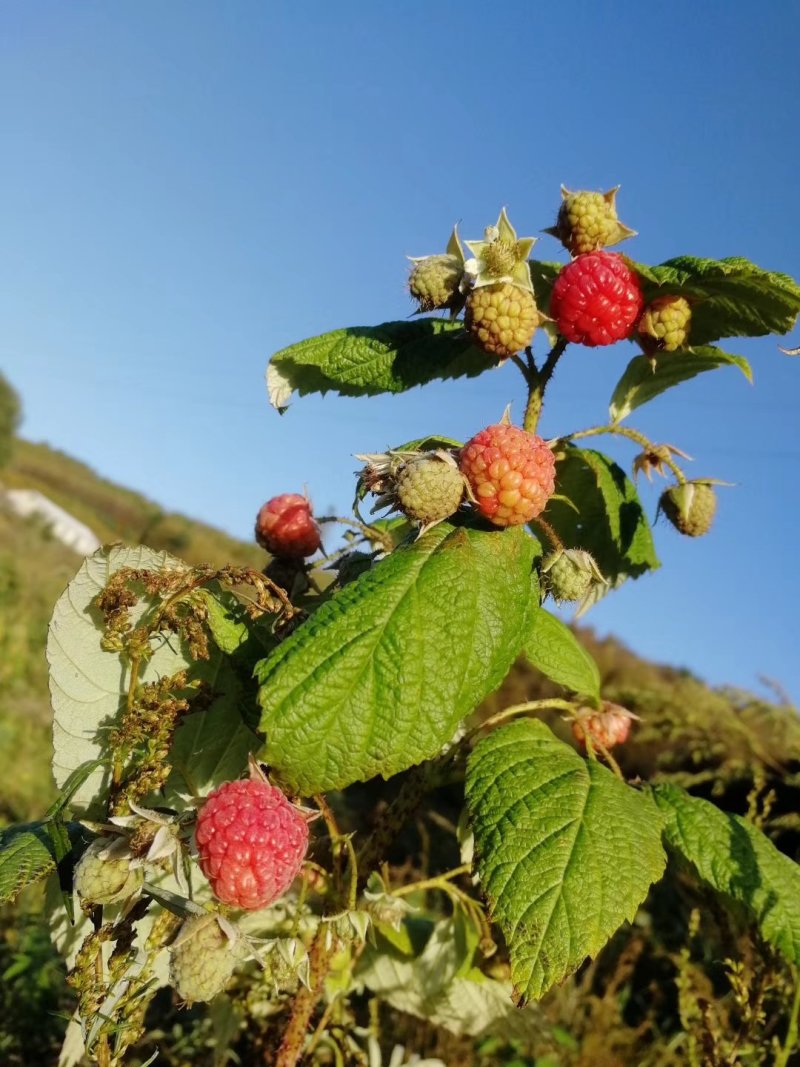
[117,514]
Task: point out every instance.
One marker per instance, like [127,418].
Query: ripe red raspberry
[607,727]
[285,527]
[596,299]
[251,842]
[511,474]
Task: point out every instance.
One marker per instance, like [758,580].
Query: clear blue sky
[187,187]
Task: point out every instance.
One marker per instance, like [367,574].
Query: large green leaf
[566,850]
[555,650]
[729,297]
[642,381]
[367,360]
[27,854]
[379,678]
[88,685]
[597,508]
[735,858]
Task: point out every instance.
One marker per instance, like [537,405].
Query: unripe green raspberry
[203,957]
[568,574]
[434,282]
[664,326]
[587,221]
[501,319]
[429,487]
[690,507]
[104,875]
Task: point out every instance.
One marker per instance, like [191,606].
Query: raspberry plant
[220,735]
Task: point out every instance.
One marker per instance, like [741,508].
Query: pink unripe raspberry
[511,474]
[251,842]
[607,727]
[285,527]
[596,299]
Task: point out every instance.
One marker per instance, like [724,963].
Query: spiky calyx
[690,507]
[511,474]
[596,299]
[605,728]
[285,527]
[105,875]
[587,221]
[665,325]
[434,282]
[251,843]
[569,573]
[429,488]
[202,958]
[500,257]
[501,319]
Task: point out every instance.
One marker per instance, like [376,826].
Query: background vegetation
[686,984]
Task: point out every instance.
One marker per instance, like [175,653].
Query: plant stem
[632,435]
[291,1047]
[431,883]
[520,709]
[791,1042]
[538,383]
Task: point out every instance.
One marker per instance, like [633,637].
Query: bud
[569,573]
[690,507]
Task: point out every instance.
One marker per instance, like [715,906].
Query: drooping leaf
[642,382]
[555,650]
[432,986]
[27,854]
[368,360]
[379,678]
[89,685]
[738,860]
[566,850]
[729,297]
[599,510]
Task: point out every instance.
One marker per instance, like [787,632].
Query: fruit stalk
[291,1046]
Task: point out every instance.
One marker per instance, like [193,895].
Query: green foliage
[566,851]
[26,856]
[10,414]
[642,381]
[597,508]
[554,649]
[360,690]
[729,297]
[368,360]
[735,858]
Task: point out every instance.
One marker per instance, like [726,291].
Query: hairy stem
[538,383]
[632,435]
[291,1047]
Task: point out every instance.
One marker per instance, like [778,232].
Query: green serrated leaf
[27,854]
[597,508]
[729,297]
[368,360]
[736,859]
[555,650]
[566,850]
[379,678]
[642,382]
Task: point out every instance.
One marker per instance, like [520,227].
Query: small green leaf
[642,382]
[555,650]
[380,676]
[566,850]
[597,508]
[27,854]
[543,276]
[735,858]
[367,360]
[729,297]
